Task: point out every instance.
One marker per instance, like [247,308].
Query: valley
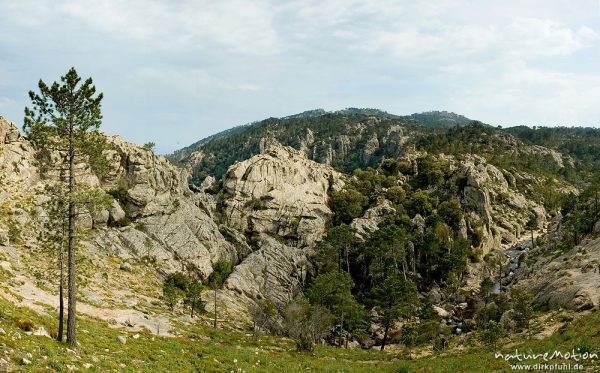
[316,241]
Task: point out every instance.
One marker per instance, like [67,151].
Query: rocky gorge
[265,218]
[266,215]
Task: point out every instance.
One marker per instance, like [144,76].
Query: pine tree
[52,239]
[396,299]
[63,126]
[221,270]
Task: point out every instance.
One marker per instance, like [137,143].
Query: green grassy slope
[203,349]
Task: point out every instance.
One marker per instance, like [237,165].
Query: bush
[120,223]
[347,205]
[306,324]
[25,325]
[149,146]
[120,192]
[493,332]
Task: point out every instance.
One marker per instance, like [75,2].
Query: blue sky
[175,71]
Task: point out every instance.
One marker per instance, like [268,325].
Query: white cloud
[522,95]
[249,87]
[522,38]
[236,25]
[222,63]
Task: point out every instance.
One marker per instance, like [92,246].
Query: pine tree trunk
[347,262]
[215,321]
[413,260]
[532,242]
[72,287]
[385,334]
[61,301]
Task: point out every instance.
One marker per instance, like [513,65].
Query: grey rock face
[16,156]
[502,210]
[9,132]
[279,192]
[369,222]
[116,212]
[275,271]
[151,183]
[186,235]
[370,148]
[569,280]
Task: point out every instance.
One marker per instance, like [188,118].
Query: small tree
[221,270]
[342,239]
[149,146]
[333,291]
[347,204]
[532,225]
[263,314]
[193,296]
[172,294]
[175,287]
[485,289]
[396,298]
[521,303]
[492,333]
[306,324]
[53,239]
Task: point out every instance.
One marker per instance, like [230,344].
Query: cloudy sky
[175,71]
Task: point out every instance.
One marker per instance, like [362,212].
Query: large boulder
[147,184]
[275,271]
[279,192]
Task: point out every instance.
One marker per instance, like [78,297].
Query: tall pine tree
[63,126]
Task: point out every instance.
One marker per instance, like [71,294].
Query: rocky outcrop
[173,241]
[279,192]
[151,183]
[370,148]
[501,211]
[160,217]
[9,132]
[369,222]
[275,271]
[568,280]
[16,156]
[18,177]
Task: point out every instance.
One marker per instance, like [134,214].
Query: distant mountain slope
[346,139]
[357,138]
[582,143]
[442,118]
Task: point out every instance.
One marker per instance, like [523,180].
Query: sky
[176,71]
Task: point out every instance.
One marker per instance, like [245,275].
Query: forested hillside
[358,138]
